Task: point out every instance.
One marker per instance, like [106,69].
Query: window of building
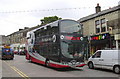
[97,22]
[101,25]
[103,21]
[21,34]
[103,29]
[97,30]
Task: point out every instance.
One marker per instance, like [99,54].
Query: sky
[17,14]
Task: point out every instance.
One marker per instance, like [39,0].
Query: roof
[109,50]
[99,14]
[23,30]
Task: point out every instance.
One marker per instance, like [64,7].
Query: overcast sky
[15,14]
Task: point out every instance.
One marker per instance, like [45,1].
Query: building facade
[3,40]
[18,37]
[102,28]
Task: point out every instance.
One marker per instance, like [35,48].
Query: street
[20,67]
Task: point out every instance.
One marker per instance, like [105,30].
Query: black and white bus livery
[58,44]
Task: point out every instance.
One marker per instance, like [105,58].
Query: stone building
[3,39]
[18,37]
[102,28]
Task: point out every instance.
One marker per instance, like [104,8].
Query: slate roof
[99,14]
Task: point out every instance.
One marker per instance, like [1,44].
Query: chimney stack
[20,29]
[26,27]
[98,8]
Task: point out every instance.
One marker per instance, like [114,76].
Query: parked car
[15,51]
[107,59]
[22,52]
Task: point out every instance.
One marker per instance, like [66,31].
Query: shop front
[100,42]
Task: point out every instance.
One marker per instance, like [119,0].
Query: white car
[107,59]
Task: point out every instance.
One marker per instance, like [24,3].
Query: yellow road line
[18,71]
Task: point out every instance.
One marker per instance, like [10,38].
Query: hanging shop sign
[100,37]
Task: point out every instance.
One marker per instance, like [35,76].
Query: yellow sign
[6,46]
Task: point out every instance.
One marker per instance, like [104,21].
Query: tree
[47,20]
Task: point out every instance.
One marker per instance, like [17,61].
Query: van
[106,59]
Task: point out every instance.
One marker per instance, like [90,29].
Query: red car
[15,51]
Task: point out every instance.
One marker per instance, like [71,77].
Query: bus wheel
[47,62]
[30,59]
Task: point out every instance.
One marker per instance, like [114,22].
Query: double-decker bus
[58,44]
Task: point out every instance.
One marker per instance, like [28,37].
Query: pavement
[0,68]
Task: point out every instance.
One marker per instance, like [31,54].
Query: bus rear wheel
[30,59]
[47,62]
